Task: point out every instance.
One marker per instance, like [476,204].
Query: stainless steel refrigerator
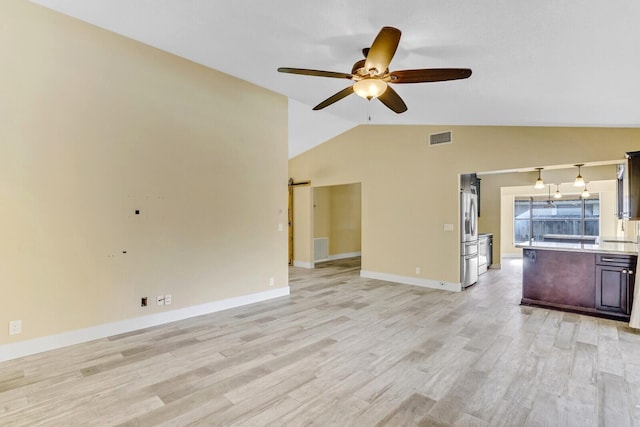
[469,237]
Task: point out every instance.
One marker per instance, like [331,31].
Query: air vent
[440,138]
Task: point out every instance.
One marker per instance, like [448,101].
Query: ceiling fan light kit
[369,88]
[371,75]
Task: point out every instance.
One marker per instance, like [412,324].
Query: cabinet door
[611,288]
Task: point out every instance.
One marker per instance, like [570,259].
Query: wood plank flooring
[344,351]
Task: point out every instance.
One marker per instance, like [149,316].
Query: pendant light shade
[585,192]
[579,182]
[558,194]
[539,183]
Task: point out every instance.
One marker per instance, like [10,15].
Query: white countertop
[602,247]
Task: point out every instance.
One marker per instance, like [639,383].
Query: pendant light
[579,182]
[558,194]
[585,192]
[539,183]
[550,203]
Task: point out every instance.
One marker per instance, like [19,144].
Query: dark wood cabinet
[615,279]
[628,175]
[558,279]
[590,283]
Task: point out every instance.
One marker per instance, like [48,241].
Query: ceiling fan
[372,76]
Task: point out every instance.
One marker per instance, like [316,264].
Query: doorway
[336,218]
[337,222]
[290,215]
[290,224]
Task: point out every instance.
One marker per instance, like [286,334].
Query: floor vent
[440,138]
[321,249]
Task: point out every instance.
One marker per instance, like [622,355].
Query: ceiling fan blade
[318,73]
[337,97]
[382,50]
[429,75]
[391,99]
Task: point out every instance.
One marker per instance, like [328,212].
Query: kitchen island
[589,278]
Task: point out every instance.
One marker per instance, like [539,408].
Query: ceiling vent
[440,138]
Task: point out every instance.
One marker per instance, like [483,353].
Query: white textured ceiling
[535,63]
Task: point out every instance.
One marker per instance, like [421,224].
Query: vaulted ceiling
[535,63]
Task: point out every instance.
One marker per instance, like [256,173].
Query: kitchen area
[590,271]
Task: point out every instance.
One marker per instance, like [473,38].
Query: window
[536,217]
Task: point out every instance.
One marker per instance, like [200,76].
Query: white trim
[414,281]
[303,264]
[495,267]
[512,255]
[345,255]
[52,342]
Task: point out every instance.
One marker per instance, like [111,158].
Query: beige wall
[410,190]
[302,226]
[346,218]
[321,212]
[337,215]
[95,126]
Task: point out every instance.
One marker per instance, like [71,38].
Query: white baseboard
[512,255]
[303,264]
[52,342]
[344,255]
[415,281]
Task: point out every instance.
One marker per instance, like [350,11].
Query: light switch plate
[448,227]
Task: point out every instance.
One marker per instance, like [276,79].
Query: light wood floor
[345,351]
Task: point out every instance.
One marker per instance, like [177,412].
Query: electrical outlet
[271,281]
[417,270]
[143,302]
[160,299]
[15,327]
[167,299]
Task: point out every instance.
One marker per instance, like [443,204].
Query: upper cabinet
[629,187]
